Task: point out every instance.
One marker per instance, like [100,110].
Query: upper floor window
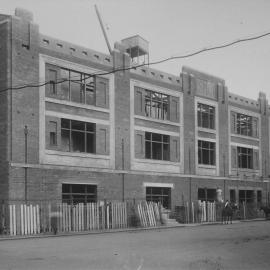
[244,124]
[157,146]
[156,105]
[245,157]
[77,87]
[206,153]
[206,116]
[77,136]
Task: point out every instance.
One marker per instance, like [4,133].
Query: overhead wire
[134,67]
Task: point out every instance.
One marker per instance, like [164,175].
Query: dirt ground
[244,245]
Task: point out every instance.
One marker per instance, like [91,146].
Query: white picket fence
[149,214]
[42,218]
[200,212]
[24,219]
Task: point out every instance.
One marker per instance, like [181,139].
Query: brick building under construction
[75,129]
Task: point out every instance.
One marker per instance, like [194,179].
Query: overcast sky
[172,27]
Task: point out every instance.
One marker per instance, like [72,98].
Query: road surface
[243,245]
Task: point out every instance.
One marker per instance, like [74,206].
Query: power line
[144,64]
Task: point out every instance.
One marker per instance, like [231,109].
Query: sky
[172,27]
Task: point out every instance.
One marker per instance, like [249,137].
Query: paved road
[238,246]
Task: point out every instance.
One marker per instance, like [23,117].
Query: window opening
[159,195]
[157,146]
[206,152]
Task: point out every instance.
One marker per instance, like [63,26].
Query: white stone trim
[156,184]
[77,117]
[77,105]
[166,122]
[155,165]
[245,145]
[204,168]
[79,183]
[155,130]
[155,88]
[72,160]
[243,111]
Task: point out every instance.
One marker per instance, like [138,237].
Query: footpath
[162,227]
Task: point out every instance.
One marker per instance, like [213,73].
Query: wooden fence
[52,218]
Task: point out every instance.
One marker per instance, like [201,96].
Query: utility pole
[25,161]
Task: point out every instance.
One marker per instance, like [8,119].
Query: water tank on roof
[137,47]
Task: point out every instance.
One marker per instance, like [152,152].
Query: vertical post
[123,167]
[25,161]
[189,166]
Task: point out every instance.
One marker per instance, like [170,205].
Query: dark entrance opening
[159,194]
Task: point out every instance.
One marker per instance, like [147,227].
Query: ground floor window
[159,194]
[207,194]
[79,193]
[246,196]
[232,196]
[259,196]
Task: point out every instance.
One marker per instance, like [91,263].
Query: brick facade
[118,165]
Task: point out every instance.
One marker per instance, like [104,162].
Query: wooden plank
[22,219]
[38,218]
[10,220]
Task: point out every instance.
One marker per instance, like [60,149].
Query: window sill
[160,121]
[155,161]
[208,130]
[202,166]
[77,105]
[76,154]
[245,137]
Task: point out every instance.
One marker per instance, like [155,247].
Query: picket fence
[199,212]
[53,218]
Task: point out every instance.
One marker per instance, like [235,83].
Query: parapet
[75,50]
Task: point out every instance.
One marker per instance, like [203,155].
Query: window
[246,196]
[243,124]
[206,153]
[206,116]
[156,105]
[207,194]
[77,87]
[159,194]
[245,158]
[53,133]
[157,146]
[259,196]
[232,196]
[78,193]
[77,136]
[53,81]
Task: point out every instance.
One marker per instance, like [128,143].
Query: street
[242,245]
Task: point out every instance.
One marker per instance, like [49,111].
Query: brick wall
[122,110]
[4,104]
[25,102]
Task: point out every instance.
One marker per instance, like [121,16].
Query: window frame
[88,196]
[164,197]
[71,132]
[243,152]
[244,124]
[86,82]
[163,142]
[210,116]
[202,150]
[155,104]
